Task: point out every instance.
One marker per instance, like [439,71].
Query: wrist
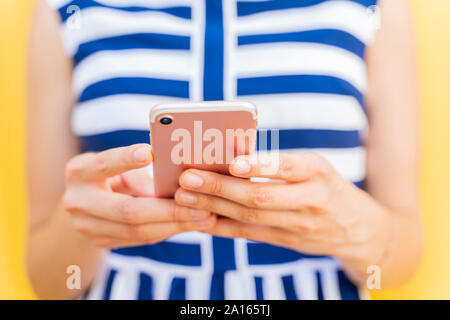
[375,244]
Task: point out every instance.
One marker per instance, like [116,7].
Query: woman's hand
[311,210]
[111,200]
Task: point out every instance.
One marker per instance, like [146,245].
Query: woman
[314,70]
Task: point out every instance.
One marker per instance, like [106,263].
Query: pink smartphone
[204,135]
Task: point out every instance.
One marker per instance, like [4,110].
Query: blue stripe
[289,139]
[223,249]
[319,285]
[297,84]
[224,257]
[259,288]
[332,37]
[223,260]
[178,289]
[289,288]
[145,287]
[261,254]
[245,8]
[178,11]
[214,51]
[133,41]
[217,290]
[167,252]
[113,139]
[109,283]
[314,138]
[147,86]
[347,288]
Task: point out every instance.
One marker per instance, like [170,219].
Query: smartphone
[203,135]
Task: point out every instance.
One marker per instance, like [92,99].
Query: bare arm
[81,204]
[393,143]
[53,244]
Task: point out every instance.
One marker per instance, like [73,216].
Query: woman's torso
[301,62]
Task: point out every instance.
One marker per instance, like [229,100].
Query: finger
[282,166]
[145,233]
[126,209]
[135,182]
[115,243]
[98,227]
[270,196]
[304,222]
[97,167]
[229,228]
[116,184]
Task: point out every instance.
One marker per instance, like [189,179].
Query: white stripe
[236,285]
[163,64]
[246,287]
[194,289]
[161,282]
[305,282]
[267,59]
[197,48]
[207,267]
[344,15]
[330,283]
[273,287]
[118,112]
[230,48]
[312,111]
[125,285]
[287,111]
[97,23]
[146,3]
[56,4]
[350,163]
[193,237]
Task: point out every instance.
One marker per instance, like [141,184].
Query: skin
[86,204]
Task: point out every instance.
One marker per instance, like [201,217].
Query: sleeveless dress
[301,62]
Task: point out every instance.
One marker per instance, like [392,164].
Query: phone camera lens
[165,121]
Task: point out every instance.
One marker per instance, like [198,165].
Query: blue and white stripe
[301,62]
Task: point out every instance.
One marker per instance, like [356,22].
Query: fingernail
[204,223]
[197,214]
[241,166]
[187,198]
[192,180]
[142,154]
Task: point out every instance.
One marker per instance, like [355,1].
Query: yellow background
[433,31]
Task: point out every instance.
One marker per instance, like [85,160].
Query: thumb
[134,182]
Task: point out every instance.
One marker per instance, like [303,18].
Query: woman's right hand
[111,201]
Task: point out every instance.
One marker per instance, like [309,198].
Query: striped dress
[301,62]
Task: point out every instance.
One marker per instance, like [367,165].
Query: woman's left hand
[310,208]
